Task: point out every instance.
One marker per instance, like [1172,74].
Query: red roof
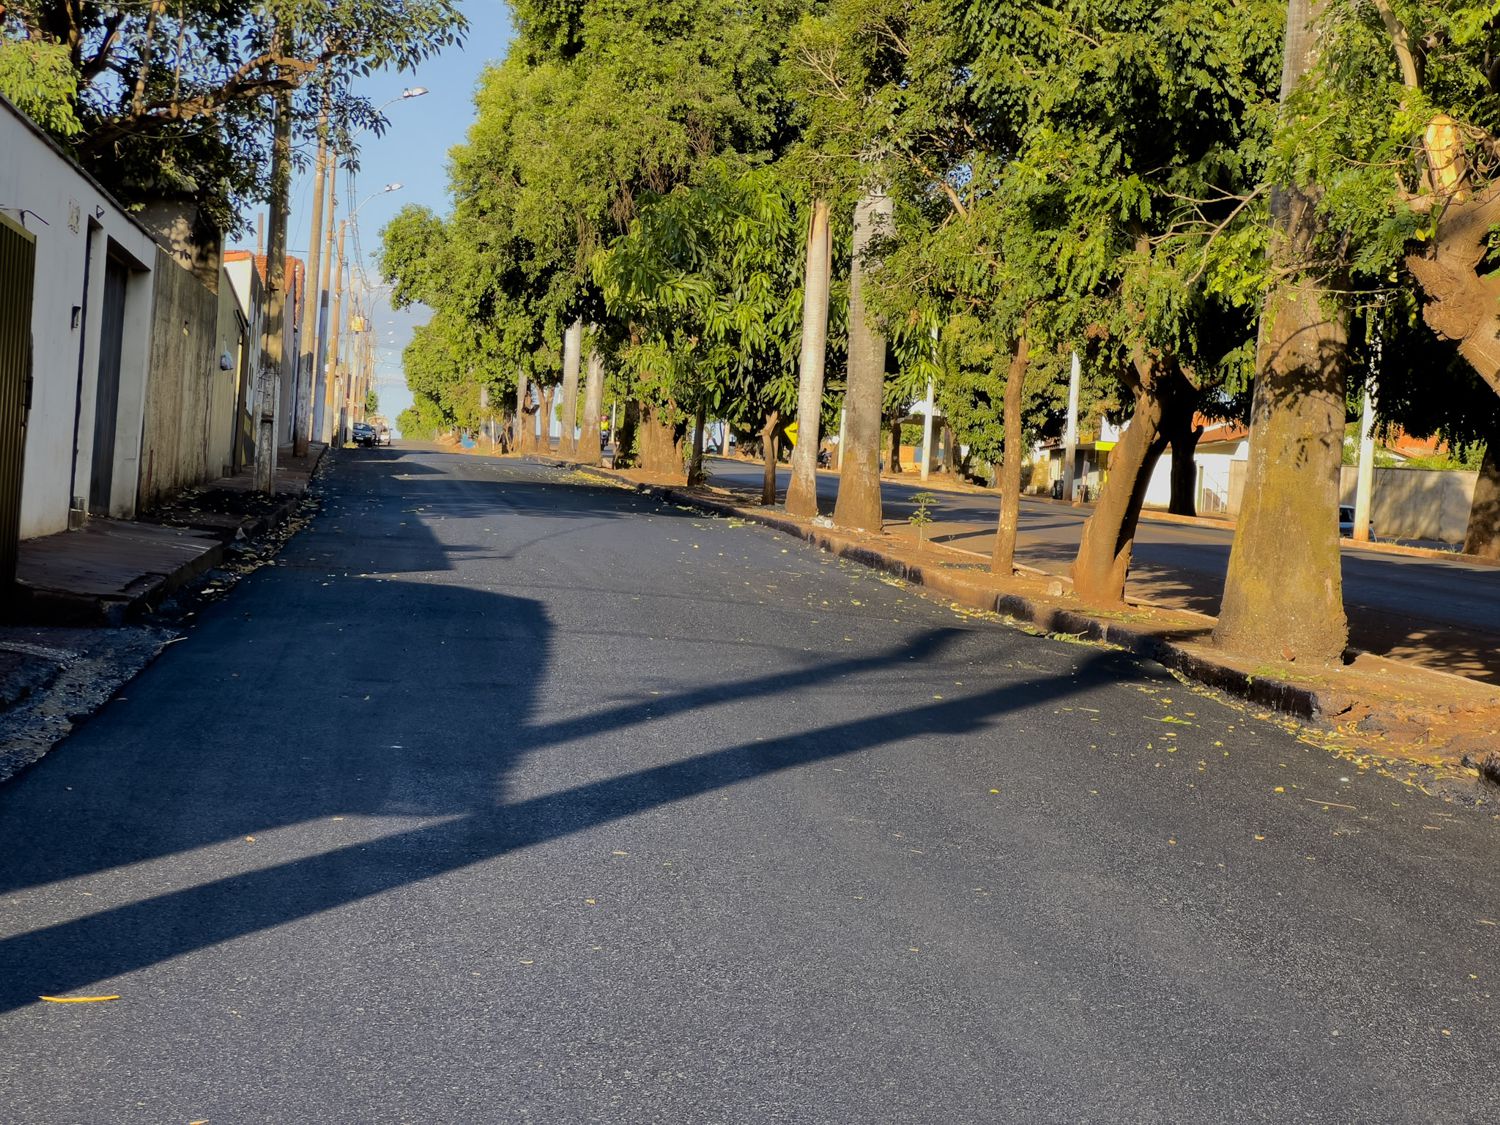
[295,270]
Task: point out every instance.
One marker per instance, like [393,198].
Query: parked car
[363,434]
[1346,522]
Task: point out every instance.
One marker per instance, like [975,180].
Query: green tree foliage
[38,77]
[165,99]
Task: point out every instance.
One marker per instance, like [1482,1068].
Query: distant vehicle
[1346,522]
[382,434]
[364,434]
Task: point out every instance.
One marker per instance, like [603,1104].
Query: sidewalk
[110,570]
[72,642]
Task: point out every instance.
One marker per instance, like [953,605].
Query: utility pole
[928,409]
[1365,482]
[302,419]
[319,380]
[268,380]
[1070,438]
[330,376]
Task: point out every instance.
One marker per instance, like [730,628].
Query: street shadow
[203,755]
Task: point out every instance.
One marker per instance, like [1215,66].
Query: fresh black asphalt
[505,796]
[1396,603]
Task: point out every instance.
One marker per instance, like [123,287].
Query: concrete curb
[61,607]
[1301,701]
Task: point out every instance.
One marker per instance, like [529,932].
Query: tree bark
[895,466]
[1004,559]
[660,443]
[858,503]
[627,451]
[572,358]
[589,452]
[1283,594]
[1483,538]
[1462,304]
[522,419]
[544,436]
[695,458]
[1103,562]
[768,455]
[802,495]
[1182,438]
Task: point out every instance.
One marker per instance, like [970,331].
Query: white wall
[1416,503]
[76,225]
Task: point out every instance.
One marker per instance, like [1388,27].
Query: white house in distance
[1222,456]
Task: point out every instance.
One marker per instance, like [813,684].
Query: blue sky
[414,153]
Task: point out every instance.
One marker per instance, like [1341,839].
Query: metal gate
[17,271]
[107,396]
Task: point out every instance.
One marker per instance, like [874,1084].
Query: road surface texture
[508,797]
[1441,613]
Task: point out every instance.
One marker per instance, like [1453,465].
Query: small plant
[923,514]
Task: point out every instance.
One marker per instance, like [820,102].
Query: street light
[397,186]
[409,92]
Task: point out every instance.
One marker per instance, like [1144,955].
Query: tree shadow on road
[433,706]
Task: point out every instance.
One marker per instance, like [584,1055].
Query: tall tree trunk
[695,463]
[1283,595]
[1103,561]
[1483,537]
[858,503]
[518,442]
[768,435]
[572,359]
[1182,438]
[895,466]
[1004,560]
[802,495]
[544,437]
[589,452]
[660,443]
[627,441]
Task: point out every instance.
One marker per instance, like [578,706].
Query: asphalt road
[508,797]
[1445,614]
